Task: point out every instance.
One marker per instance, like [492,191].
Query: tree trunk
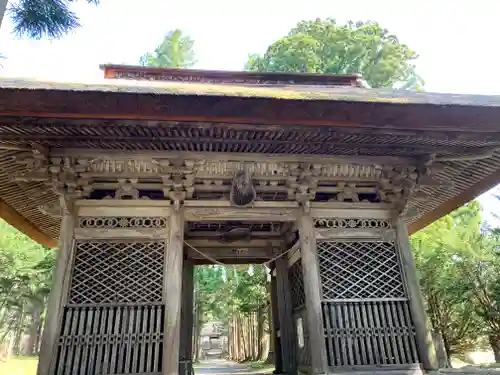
[495,346]
[252,335]
[197,331]
[19,331]
[3,10]
[243,338]
[34,332]
[10,346]
[239,338]
[263,349]
[39,336]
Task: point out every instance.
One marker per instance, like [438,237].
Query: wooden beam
[313,294]
[173,294]
[357,234]
[221,156]
[228,253]
[14,218]
[275,320]
[215,234]
[58,297]
[186,339]
[121,233]
[337,142]
[231,261]
[425,344]
[216,243]
[347,210]
[353,107]
[287,334]
[244,214]
[103,208]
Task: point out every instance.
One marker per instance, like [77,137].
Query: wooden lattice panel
[359,270]
[117,272]
[111,340]
[296,284]
[369,333]
[122,222]
[113,322]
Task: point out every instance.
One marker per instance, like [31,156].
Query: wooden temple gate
[140,198]
[346,294]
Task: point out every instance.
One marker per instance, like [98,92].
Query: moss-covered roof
[291,92]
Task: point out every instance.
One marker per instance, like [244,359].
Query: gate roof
[237,112]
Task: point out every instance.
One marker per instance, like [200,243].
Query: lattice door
[113,321]
[365,306]
[296,281]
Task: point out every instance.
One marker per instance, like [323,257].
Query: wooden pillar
[173,293]
[313,293]
[275,341]
[425,345]
[186,338]
[58,295]
[287,329]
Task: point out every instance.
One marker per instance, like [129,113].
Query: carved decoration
[178,179]
[53,209]
[122,222]
[334,223]
[243,192]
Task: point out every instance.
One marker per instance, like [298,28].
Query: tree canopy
[324,46]
[459,264]
[39,18]
[175,51]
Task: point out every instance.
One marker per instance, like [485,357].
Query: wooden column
[425,345]
[275,341]
[313,293]
[58,295]
[173,293]
[186,338]
[287,329]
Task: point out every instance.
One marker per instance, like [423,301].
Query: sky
[456,40]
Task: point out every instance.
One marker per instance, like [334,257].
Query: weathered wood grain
[312,291]
[58,296]
[426,350]
[173,293]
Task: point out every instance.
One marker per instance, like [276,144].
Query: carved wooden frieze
[227,169]
[179,178]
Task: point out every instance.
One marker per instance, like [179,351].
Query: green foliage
[39,18]
[237,297]
[25,272]
[176,51]
[323,46]
[451,312]
[459,266]
[224,290]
